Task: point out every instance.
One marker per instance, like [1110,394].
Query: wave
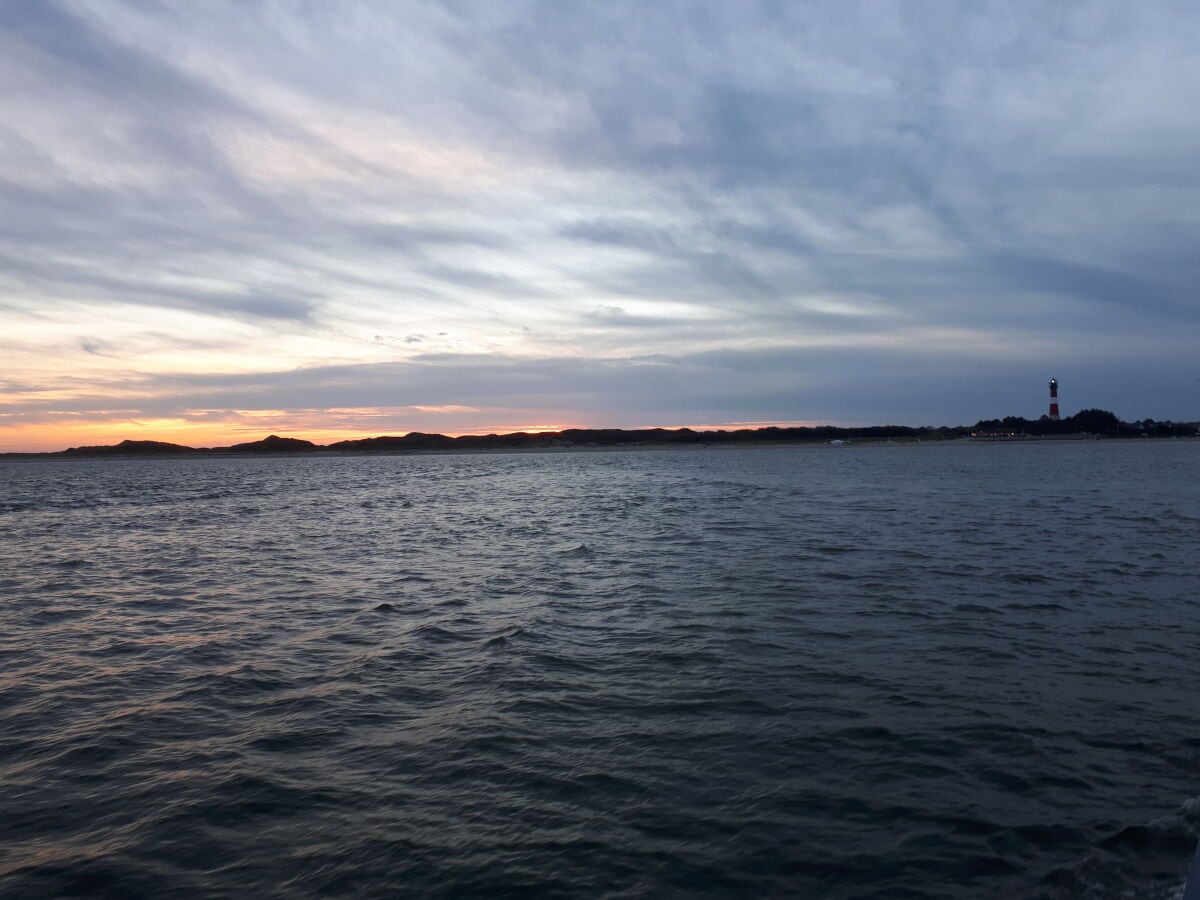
[1147,861]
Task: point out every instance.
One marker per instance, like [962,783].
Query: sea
[937,670]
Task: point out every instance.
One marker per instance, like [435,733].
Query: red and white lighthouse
[1054,398]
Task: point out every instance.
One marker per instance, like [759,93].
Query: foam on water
[936,671]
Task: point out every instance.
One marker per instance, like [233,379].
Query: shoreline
[849,444]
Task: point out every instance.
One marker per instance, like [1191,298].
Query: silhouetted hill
[612,437]
[275,444]
[131,448]
[414,440]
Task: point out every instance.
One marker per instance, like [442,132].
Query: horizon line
[533,431]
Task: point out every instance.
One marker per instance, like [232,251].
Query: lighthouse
[1054,399]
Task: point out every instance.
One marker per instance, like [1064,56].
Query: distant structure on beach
[1054,399]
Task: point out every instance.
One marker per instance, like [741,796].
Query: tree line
[1086,421]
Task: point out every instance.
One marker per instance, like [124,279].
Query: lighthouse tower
[1054,399]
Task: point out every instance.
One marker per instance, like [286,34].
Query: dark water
[897,671]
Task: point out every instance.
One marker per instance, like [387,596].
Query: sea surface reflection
[892,671]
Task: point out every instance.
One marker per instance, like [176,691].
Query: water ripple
[936,671]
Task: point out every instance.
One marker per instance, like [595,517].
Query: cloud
[557,204]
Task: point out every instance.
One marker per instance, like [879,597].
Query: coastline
[632,447]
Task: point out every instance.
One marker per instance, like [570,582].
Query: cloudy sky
[219,221]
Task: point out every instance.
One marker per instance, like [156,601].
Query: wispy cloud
[585,214]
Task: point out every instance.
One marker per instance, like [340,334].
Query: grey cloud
[857,385]
[1145,295]
[166,114]
[618,317]
[11,386]
[168,120]
[767,236]
[65,282]
[409,238]
[482,280]
[616,233]
[94,61]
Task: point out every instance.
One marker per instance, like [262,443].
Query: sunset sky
[328,220]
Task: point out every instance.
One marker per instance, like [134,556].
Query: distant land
[1087,423]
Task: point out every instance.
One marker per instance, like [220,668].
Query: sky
[334,220]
